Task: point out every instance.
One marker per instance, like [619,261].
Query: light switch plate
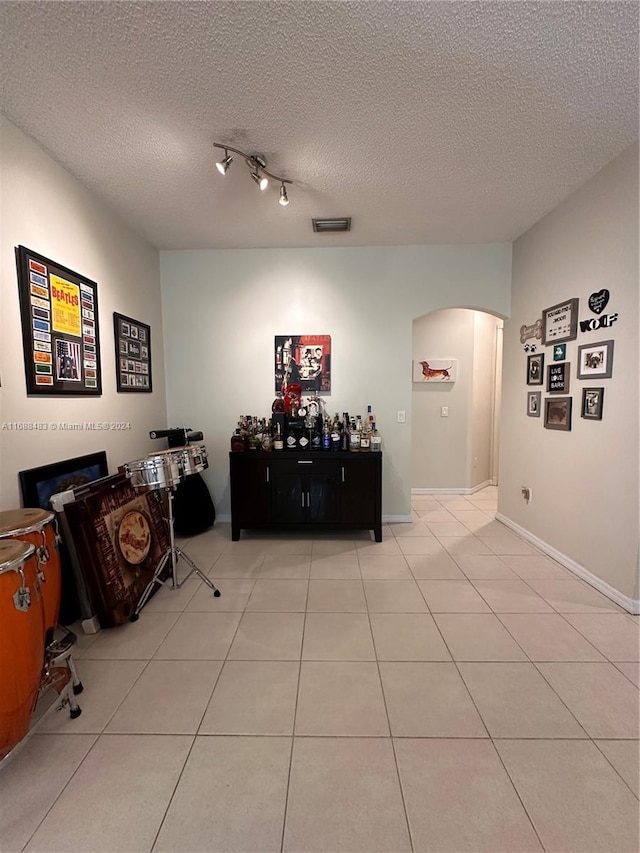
[402,416]
[444,411]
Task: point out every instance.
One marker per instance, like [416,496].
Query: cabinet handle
[305,461]
[267,474]
[308,500]
[302,500]
[342,468]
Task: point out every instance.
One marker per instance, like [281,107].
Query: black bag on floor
[193,509]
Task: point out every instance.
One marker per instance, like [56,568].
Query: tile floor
[449,689]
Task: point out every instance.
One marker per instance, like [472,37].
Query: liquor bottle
[304,442]
[277,407]
[291,441]
[326,437]
[365,439]
[278,441]
[267,440]
[344,436]
[354,438]
[376,440]
[335,434]
[237,442]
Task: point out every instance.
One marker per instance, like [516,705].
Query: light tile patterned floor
[449,689]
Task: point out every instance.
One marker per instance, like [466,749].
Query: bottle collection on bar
[300,425]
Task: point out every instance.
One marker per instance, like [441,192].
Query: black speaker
[193,509]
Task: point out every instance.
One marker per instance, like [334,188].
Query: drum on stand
[22,640]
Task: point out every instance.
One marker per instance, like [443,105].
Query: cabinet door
[359,497]
[323,498]
[250,490]
[289,497]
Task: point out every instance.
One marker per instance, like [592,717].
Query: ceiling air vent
[342,223]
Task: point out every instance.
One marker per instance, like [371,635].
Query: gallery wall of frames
[549,371]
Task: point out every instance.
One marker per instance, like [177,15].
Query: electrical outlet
[402,416]
[527,494]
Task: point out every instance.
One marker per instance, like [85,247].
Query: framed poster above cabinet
[133,354]
[60,330]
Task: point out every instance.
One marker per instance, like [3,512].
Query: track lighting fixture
[257,165]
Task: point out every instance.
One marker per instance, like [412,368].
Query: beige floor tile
[605,703]
[624,755]
[83,641]
[489,506]
[170,697]
[437,566]
[416,528]
[576,800]
[478,637]
[459,797]
[344,795]
[253,698]
[505,545]
[475,520]
[203,554]
[236,566]
[631,671]
[199,636]
[394,597]
[549,637]
[133,640]
[425,502]
[100,809]
[234,595]
[268,636]
[484,567]
[286,567]
[169,600]
[447,528]
[419,545]
[429,700]
[457,502]
[335,567]
[278,595]
[385,568]
[337,636]
[469,544]
[530,567]
[442,515]
[106,683]
[32,781]
[515,701]
[338,698]
[407,637]
[336,596]
[334,547]
[275,547]
[231,797]
[573,596]
[367,548]
[611,633]
[452,597]
[511,596]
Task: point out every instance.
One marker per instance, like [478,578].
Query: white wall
[223,308]
[46,209]
[454,452]
[585,482]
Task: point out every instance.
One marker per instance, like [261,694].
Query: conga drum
[37,527]
[21,640]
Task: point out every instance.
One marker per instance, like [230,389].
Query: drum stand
[173,553]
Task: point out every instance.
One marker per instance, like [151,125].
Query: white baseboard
[630,604]
[392,519]
[470,491]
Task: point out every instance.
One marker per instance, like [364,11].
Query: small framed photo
[125,330]
[533,403]
[557,413]
[535,369]
[558,377]
[595,361]
[592,399]
[559,352]
[560,322]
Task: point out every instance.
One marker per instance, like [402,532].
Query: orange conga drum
[21,640]
[37,527]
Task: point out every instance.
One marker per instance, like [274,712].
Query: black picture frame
[133,355]
[535,369]
[592,404]
[37,485]
[595,361]
[558,377]
[304,360]
[560,322]
[60,327]
[557,413]
[534,404]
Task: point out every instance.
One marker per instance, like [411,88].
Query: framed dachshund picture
[435,370]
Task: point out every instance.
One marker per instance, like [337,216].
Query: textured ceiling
[426,122]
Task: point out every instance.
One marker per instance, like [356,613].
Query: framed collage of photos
[133,354]
[60,331]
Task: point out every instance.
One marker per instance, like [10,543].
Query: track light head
[260,180]
[223,165]
[284,198]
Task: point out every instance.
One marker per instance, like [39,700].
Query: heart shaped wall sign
[598,301]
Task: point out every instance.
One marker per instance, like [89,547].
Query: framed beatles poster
[133,354]
[60,330]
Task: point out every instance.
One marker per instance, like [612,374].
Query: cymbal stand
[173,554]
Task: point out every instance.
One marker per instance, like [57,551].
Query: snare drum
[21,640]
[157,471]
[193,458]
[37,527]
